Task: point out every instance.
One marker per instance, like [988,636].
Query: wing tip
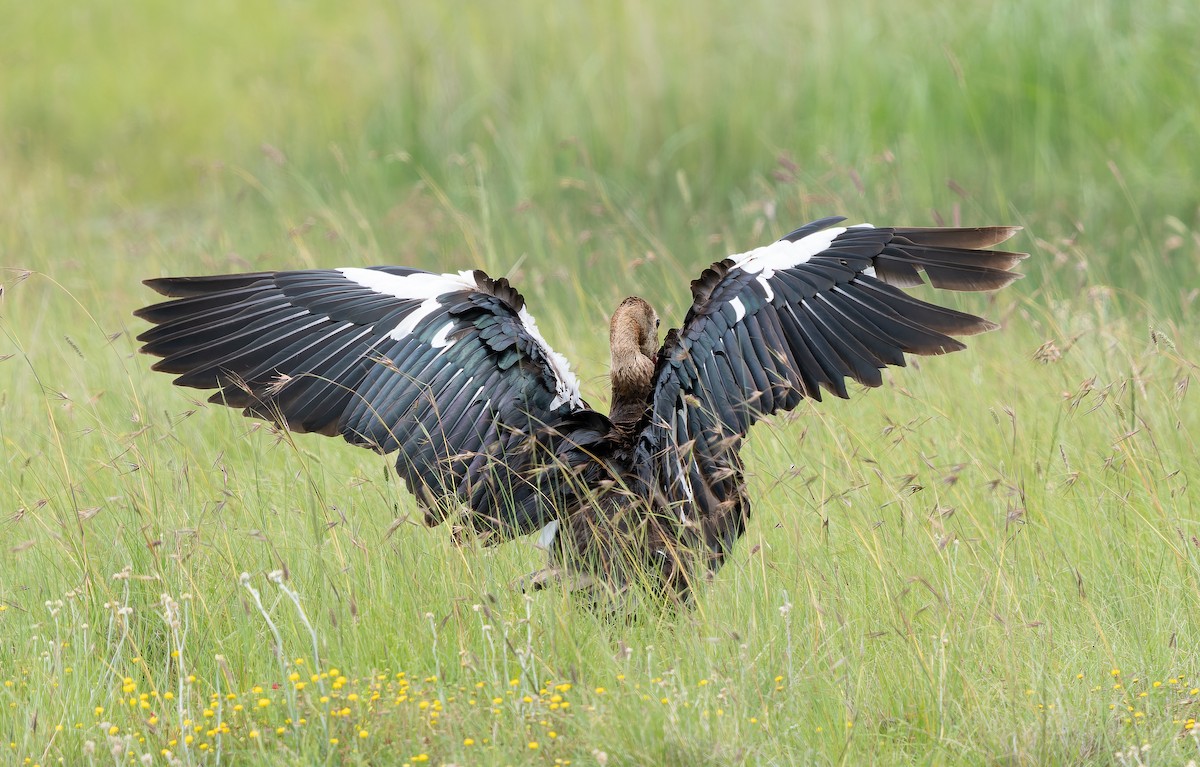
[966,237]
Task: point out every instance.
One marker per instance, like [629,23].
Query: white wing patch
[566,382]
[777,256]
[429,289]
[424,287]
[784,254]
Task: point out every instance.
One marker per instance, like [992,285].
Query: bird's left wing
[447,369]
[775,325]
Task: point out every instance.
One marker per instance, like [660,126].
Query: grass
[995,559]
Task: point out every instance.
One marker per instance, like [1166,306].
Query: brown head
[633,343]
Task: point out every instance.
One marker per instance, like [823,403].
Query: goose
[450,372]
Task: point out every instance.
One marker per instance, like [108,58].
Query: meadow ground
[994,559]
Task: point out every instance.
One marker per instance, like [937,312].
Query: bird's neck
[631,375]
[626,411]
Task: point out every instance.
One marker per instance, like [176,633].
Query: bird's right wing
[448,370]
[773,326]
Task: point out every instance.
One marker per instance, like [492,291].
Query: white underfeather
[766,286]
[441,339]
[566,382]
[546,537]
[739,309]
[683,477]
[686,481]
[870,270]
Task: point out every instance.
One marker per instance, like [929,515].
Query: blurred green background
[976,554]
[499,134]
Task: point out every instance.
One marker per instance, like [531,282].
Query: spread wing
[447,369]
[773,326]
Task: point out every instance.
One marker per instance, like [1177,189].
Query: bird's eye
[657,322]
